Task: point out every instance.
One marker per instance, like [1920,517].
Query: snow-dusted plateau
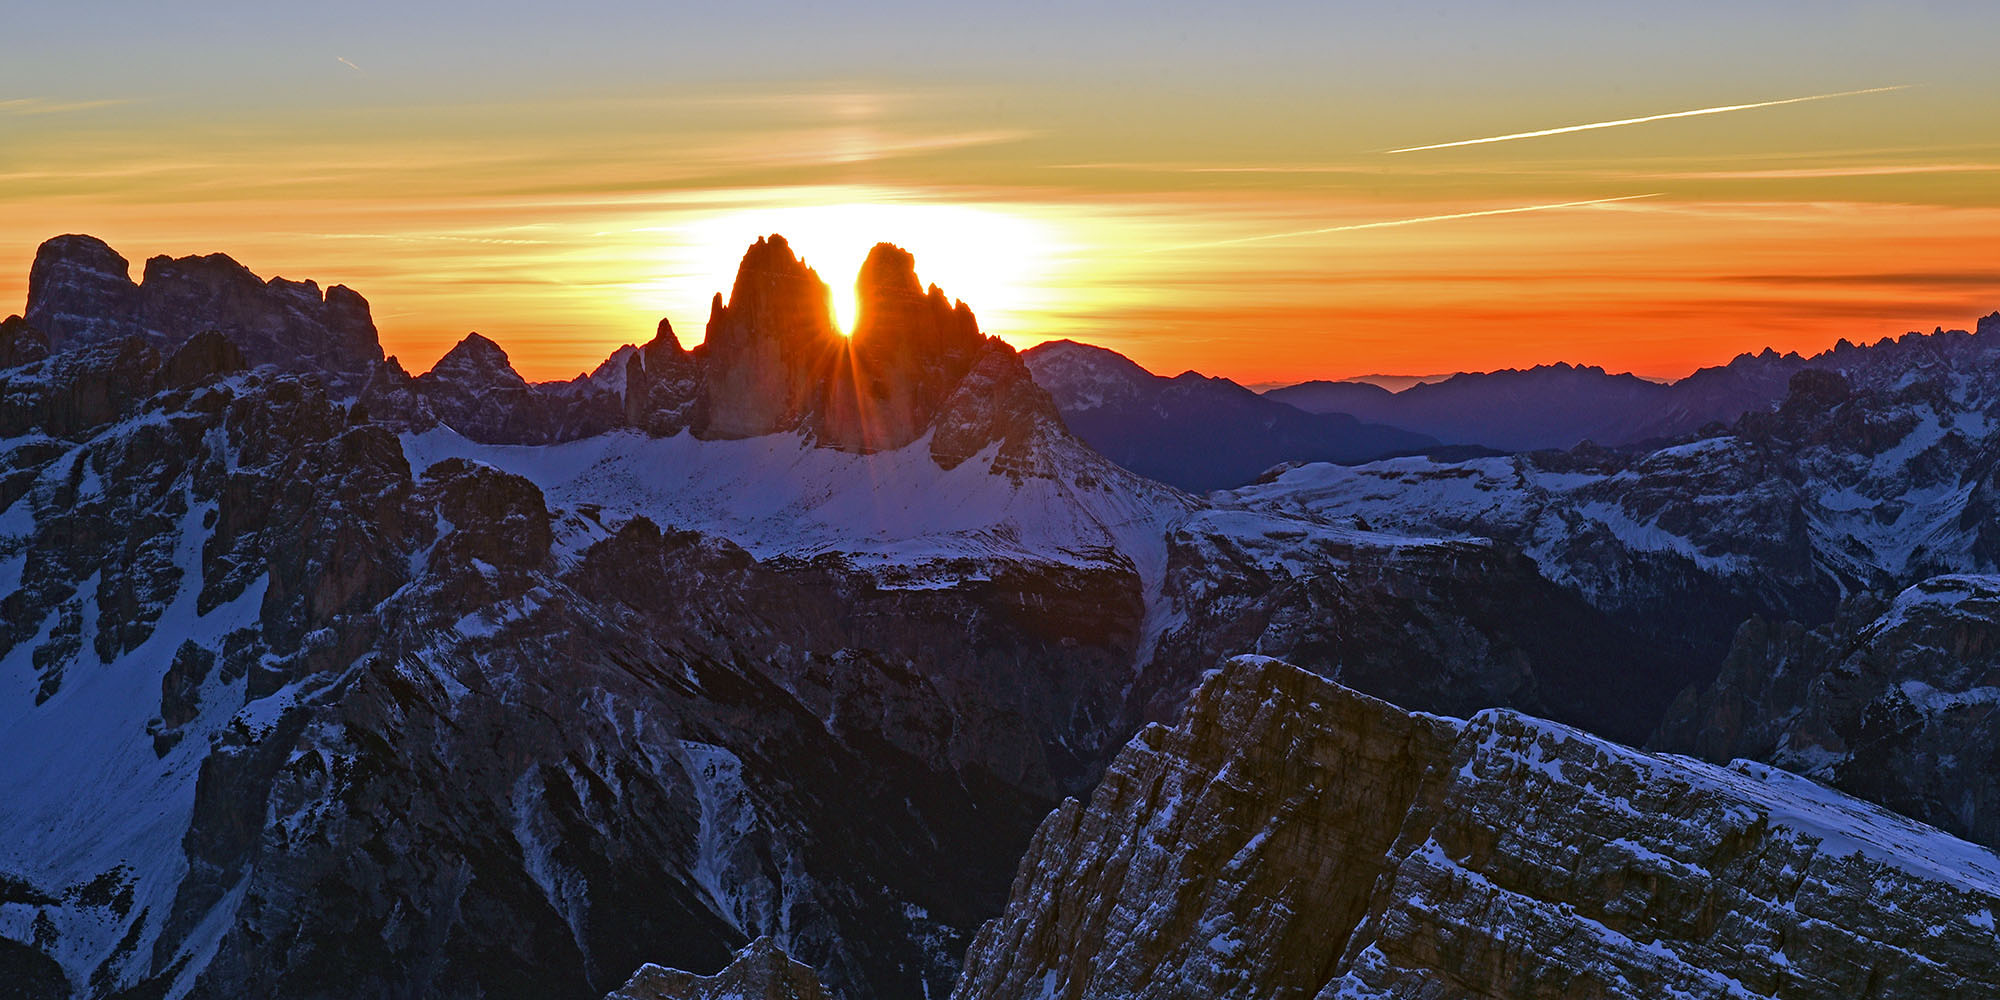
[801,664]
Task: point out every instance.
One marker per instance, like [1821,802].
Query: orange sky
[1230,226]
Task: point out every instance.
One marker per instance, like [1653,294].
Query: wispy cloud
[1721,109]
[1386,223]
[44,106]
[350,65]
[424,238]
[1810,173]
[1919,279]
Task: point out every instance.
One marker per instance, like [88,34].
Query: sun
[992,259]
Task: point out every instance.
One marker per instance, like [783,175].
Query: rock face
[1195,432]
[661,385]
[773,361]
[21,343]
[909,350]
[759,972]
[80,293]
[1895,700]
[771,348]
[1291,838]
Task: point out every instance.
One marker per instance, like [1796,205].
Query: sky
[1237,189]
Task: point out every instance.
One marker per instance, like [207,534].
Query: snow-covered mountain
[1823,561]
[463,685]
[1195,432]
[471,718]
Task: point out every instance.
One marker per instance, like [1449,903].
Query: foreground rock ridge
[1293,838]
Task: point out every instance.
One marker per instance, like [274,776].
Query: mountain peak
[476,360]
[768,346]
[775,295]
[81,292]
[889,270]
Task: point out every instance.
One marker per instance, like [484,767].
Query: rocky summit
[80,293]
[1292,838]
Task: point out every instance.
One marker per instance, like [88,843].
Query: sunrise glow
[1219,199]
[996,260]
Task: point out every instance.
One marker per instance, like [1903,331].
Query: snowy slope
[778,495]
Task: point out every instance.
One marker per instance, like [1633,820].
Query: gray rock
[1292,838]
[759,972]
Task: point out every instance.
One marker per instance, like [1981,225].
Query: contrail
[1648,118]
[350,65]
[1405,222]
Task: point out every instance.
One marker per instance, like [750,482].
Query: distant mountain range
[1560,405]
[1196,432]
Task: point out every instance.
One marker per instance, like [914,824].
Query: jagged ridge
[1294,838]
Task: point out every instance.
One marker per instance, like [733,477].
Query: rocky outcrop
[662,386]
[1290,838]
[773,361]
[475,391]
[1897,700]
[996,402]
[81,294]
[771,348]
[909,350]
[21,343]
[759,972]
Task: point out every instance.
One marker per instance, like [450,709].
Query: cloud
[350,65]
[44,106]
[1638,121]
[1404,222]
[1897,279]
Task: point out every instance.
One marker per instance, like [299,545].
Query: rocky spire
[909,350]
[769,348]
